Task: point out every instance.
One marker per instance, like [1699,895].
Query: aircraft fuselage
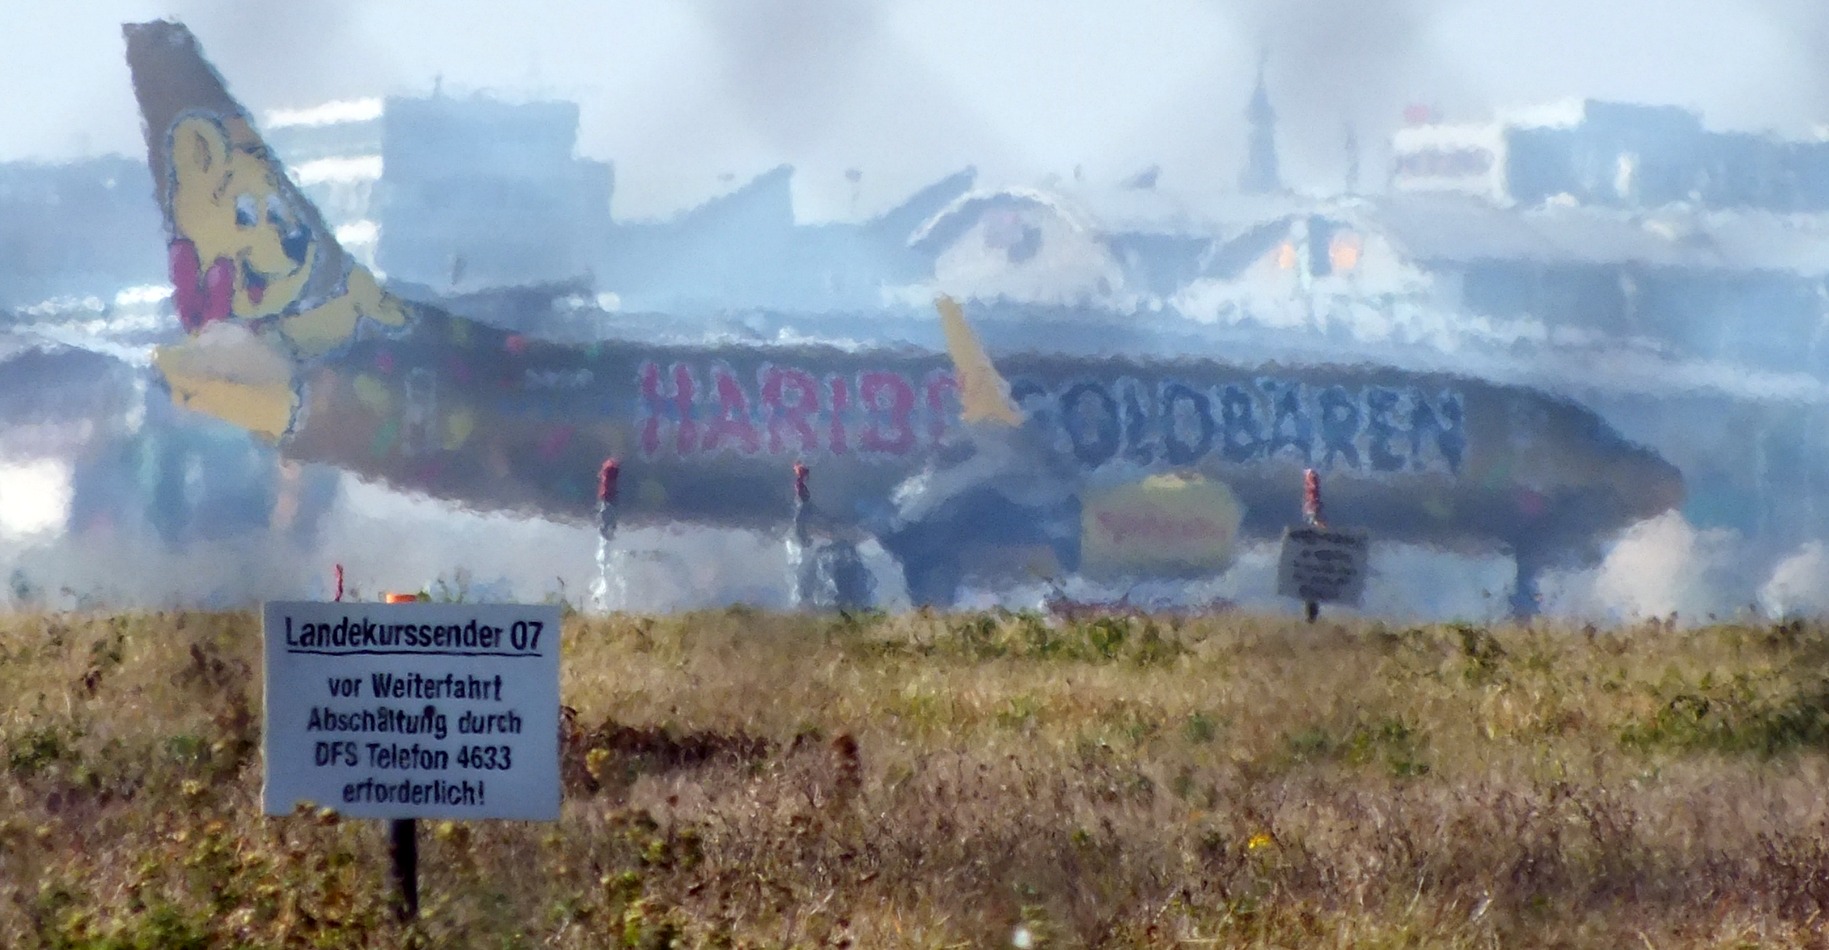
[500,421]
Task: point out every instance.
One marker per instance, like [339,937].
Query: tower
[1352,160]
[1260,174]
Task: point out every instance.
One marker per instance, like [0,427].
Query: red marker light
[1311,499]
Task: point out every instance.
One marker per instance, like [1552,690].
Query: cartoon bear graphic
[240,249]
[247,251]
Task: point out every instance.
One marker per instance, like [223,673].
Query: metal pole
[405,850]
[607,518]
[800,540]
[1313,516]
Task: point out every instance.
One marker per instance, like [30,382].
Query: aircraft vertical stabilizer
[246,248]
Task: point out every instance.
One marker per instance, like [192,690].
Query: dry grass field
[740,779]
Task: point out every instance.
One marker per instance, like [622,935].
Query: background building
[85,228]
[454,194]
[1609,154]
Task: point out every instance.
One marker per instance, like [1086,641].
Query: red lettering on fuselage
[732,421]
[841,404]
[785,410]
[657,406]
[889,398]
[792,413]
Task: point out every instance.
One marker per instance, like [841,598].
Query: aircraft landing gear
[826,574]
[932,583]
[830,576]
[1526,597]
[841,575]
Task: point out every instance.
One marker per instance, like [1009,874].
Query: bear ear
[199,149]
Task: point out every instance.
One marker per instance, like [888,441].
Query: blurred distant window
[1445,163]
[1344,250]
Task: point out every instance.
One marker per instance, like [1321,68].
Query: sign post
[413,710]
[403,847]
[1314,517]
[402,833]
[1319,564]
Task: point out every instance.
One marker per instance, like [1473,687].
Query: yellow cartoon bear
[246,249]
[253,251]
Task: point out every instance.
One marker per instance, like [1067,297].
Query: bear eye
[276,213]
[244,211]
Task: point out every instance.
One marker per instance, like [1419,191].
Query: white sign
[1323,566]
[413,710]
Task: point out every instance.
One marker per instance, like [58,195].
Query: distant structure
[333,152]
[458,194]
[1608,154]
[747,248]
[1351,147]
[1260,176]
[84,227]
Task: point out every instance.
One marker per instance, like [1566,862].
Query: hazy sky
[690,96]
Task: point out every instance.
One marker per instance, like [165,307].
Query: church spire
[1260,174]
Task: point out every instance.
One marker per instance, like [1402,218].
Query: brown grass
[746,779]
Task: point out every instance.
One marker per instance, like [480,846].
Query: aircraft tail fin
[984,395]
[244,242]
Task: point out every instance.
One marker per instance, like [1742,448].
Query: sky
[690,97]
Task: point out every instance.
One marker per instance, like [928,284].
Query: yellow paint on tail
[331,324]
[233,375]
[984,396]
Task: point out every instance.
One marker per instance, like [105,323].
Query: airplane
[957,465]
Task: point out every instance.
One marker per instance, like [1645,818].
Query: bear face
[252,247]
[251,263]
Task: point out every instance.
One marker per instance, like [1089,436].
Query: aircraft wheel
[843,573]
[933,583]
[1526,598]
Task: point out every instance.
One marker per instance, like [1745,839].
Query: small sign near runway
[413,710]
[1321,565]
